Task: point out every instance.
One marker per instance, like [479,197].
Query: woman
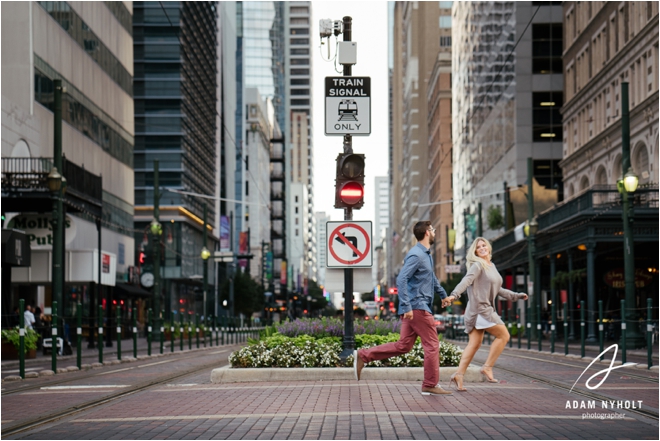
[483,284]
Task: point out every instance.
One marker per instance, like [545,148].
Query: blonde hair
[471,256]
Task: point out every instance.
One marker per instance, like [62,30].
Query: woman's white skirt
[482,323]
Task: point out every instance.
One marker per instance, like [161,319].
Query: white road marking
[96,386]
[153,364]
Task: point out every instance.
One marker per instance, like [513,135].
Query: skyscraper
[507,89]
[298,55]
[175,90]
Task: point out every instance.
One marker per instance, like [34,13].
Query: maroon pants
[422,325]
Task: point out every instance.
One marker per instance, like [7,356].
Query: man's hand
[408,315]
[446,301]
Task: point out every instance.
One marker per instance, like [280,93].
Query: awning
[132,290]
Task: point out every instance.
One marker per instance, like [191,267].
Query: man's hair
[420,229]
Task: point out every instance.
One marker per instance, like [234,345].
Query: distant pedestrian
[38,325]
[417,286]
[14,318]
[483,284]
[29,317]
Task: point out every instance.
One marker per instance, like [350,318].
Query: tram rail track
[34,422]
[583,393]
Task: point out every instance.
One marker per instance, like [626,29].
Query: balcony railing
[592,201]
[31,174]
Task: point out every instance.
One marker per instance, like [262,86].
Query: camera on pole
[349,183]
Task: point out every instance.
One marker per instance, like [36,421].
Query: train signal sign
[349,183]
[348,106]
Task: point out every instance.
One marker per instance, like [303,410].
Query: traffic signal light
[142,258]
[394,290]
[349,184]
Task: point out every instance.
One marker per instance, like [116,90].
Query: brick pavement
[518,408]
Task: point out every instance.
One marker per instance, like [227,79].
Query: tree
[248,294]
[494,217]
[318,299]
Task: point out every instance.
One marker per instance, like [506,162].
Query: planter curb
[244,375]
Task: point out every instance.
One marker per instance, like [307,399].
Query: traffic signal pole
[349,335]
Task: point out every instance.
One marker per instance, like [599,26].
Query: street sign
[452,269]
[223,256]
[334,280]
[348,106]
[349,244]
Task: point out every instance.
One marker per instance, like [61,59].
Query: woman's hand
[446,301]
[524,296]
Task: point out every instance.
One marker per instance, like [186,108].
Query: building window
[302,41]
[300,102]
[445,41]
[445,5]
[445,22]
[547,41]
[300,51]
[300,61]
[300,31]
[247,188]
[299,10]
[546,119]
[299,71]
[300,82]
[299,20]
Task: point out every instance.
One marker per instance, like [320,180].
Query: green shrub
[306,351]
[12,335]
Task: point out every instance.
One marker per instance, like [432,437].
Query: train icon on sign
[347,110]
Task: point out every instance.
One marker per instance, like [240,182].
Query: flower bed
[320,348]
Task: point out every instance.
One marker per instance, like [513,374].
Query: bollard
[583,328]
[601,328]
[508,325]
[222,330]
[209,331]
[135,332]
[100,336]
[528,317]
[552,328]
[162,333]
[53,338]
[181,331]
[172,336]
[215,325]
[190,331]
[519,328]
[79,333]
[197,329]
[565,328]
[623,331]
[149,332]
[538,325]
[118,332]
[21,338]
[649,331]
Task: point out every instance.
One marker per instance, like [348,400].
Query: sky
[370,31]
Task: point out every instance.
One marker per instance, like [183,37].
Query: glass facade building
[507,91]
[175,54]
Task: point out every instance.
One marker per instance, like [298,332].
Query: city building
[439,185]
[381,224]
[507,89]
[261,129]
[416,43]
[261,65]
[176,98]
[321,243]
[88,46]
[579,247]
[298,219]
[298,80]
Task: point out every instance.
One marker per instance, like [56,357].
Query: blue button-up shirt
[417,282]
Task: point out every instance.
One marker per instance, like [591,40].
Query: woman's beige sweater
[483,287]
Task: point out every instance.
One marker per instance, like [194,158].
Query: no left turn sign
[349,244]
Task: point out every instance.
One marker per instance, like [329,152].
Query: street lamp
[205,254]
[626,188]
[54,181]
[156,228]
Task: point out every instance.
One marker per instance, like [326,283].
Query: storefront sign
[39,229]
[616,278]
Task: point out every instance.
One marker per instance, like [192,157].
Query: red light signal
[349,182]
[142,258]
[394,291]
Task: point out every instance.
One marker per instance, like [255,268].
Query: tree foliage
[494,217]
[248,294]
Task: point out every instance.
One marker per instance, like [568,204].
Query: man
[417,284]
[29,317]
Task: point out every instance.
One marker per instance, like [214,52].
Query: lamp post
[627,185]
[205,257]
[530,229]
[54,183]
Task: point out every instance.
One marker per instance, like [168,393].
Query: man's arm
[438,289]
[409,268]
